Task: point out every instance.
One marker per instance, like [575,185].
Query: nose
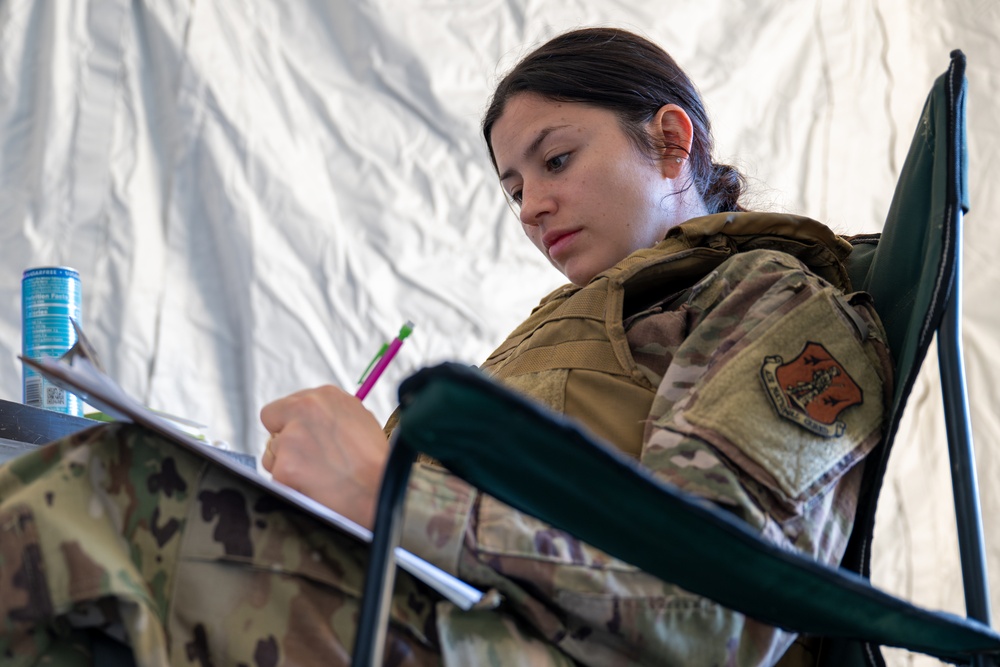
[537,202]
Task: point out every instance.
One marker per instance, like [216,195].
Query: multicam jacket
[728,368]
[761,385]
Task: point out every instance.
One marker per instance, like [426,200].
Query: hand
[325,444]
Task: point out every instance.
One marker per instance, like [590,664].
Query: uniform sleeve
[766,407]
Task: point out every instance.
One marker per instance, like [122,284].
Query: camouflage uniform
[116,530]
[766,386]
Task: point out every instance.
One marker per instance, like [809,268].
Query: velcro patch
[803,425]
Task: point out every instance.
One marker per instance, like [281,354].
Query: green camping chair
[533,460]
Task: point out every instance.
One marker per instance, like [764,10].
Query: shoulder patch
[794,404]
[811,390]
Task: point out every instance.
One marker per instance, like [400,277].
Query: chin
[580,268]
[579,279]
[580,275]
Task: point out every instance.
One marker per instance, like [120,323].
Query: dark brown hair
[629,75]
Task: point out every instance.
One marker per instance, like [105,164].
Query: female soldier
[741,372]
[719,347]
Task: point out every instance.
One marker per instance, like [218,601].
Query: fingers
[270,456]
[276,414]
[302,404]
[325,444]
[304,420]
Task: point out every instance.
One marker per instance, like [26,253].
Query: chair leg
[373,619]
[962,455]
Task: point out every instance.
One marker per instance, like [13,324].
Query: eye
[515,198]
[556,163]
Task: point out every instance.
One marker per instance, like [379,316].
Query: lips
[555,240]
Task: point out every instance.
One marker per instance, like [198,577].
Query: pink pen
[381,360]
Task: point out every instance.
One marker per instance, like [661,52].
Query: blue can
[50,300]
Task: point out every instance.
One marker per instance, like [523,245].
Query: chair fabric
[912,272]
[533,465]
[529,458]
[912,275]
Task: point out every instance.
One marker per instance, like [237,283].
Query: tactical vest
[572,355]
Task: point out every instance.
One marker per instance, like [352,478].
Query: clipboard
[79,372]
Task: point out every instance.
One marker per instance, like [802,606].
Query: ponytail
[723,188]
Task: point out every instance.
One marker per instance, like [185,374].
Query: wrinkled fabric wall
[257,194]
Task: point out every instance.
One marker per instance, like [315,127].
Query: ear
[672,129]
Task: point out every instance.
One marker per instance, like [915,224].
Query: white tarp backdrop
[257,194]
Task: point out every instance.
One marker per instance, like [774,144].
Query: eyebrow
[532,148]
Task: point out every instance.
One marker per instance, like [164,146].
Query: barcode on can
[33,391]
